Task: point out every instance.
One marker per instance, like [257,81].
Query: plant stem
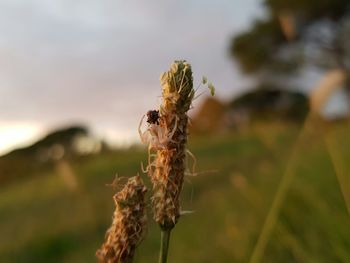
[339,167]
[281,193]
[164,245]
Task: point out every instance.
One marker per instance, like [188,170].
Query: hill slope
[44,220]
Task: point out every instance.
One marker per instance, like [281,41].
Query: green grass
[42,220]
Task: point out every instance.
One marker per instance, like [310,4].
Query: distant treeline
[262,104]
[63,143]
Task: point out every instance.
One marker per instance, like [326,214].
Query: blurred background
[272,146]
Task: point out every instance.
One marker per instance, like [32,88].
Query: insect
[157,135]
[153,117]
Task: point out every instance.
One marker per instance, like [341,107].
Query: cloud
[99,61]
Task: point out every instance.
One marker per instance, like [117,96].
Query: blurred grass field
[44,220]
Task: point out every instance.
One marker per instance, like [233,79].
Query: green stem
[281,193]
[339,167]
[164,245]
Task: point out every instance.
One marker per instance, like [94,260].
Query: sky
[98,63]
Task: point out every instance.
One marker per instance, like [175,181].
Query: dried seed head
[128,226]
[168,175]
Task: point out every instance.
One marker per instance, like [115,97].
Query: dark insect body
[153,117]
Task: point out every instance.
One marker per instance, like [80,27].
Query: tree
[280,43]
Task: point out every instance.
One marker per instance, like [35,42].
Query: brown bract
[169,166]
[128,226]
